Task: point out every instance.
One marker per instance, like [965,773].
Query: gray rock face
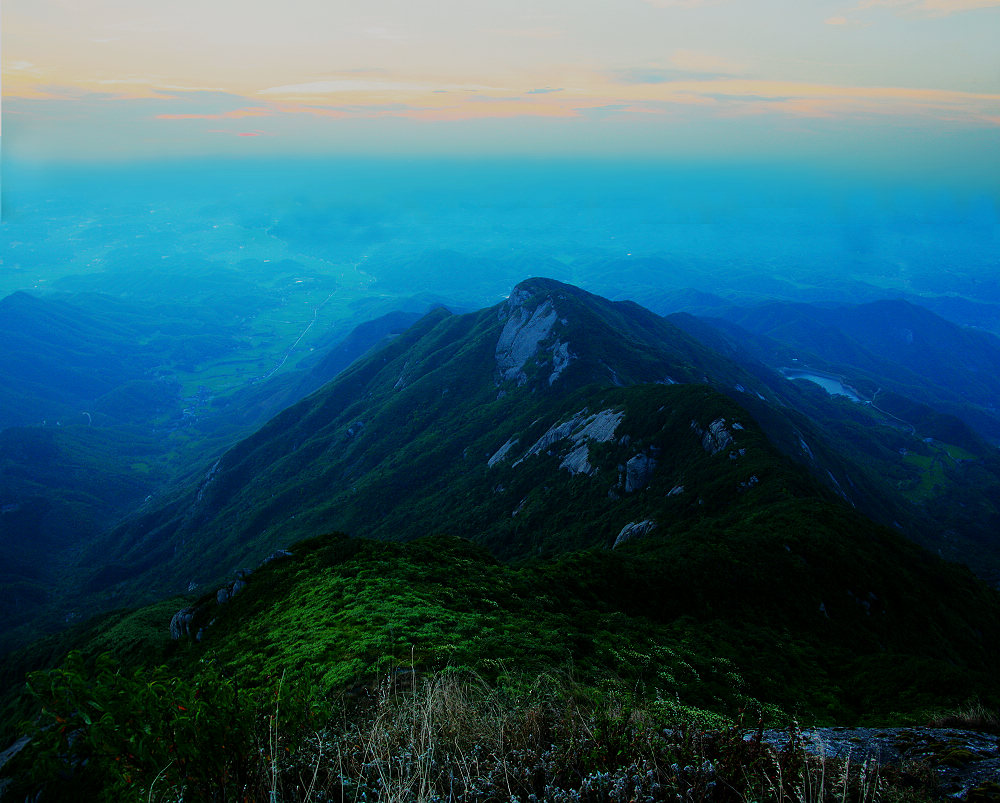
[634,529]
[522,335]
[188,622]
[638,473]
[501,453]
[226,593]
[716,438]
[561,358]
[934,746]
[599,428]
[577,461]
[180,624]
[580,430]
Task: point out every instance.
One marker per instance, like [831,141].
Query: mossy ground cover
[623,643]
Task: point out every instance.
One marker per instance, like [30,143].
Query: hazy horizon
[890,88]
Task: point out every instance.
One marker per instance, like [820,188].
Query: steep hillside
[906,463]
[94,426]
[401,444]
[529,427]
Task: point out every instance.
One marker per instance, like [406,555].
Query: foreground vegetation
[350,669]
[443,736]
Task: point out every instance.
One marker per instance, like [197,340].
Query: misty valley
[493,481]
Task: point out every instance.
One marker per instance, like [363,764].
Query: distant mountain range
[891,346]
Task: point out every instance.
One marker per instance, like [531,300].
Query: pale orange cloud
[727,95]
[239,133]
[682,3]
[233,115]
[493,111]
[932,8]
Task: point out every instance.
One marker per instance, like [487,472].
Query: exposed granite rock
[554,433]
[634,529]
[227,592]
[7,755]
[581,430]
[716,438]
[601,427]
[638,473]
[190,622]
[522,335]
[180,624]
[961,760]
[526,334]
[561,358]
[501,453]
[577,461]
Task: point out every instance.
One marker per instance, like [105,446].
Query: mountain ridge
[406,422]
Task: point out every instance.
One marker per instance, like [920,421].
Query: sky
[893,86]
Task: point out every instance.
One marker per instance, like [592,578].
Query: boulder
[638,473]
[180,624]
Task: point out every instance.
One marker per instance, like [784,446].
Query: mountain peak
[532,329]
[541,284]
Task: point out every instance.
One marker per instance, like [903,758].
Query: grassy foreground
[446,735]
[362,670]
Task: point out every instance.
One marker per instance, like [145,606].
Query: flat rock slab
[962,760]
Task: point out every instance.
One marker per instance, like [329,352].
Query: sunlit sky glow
[874,80]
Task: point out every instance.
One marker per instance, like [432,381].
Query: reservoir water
[830,383]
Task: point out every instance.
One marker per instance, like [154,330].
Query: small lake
[830,383]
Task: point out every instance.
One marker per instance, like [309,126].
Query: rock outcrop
[639,472]
[501,453]
[714,439]
[522,335]
[580,430]
[634,529]
[180,624]
[191,621]
[527,332]
[964,762]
